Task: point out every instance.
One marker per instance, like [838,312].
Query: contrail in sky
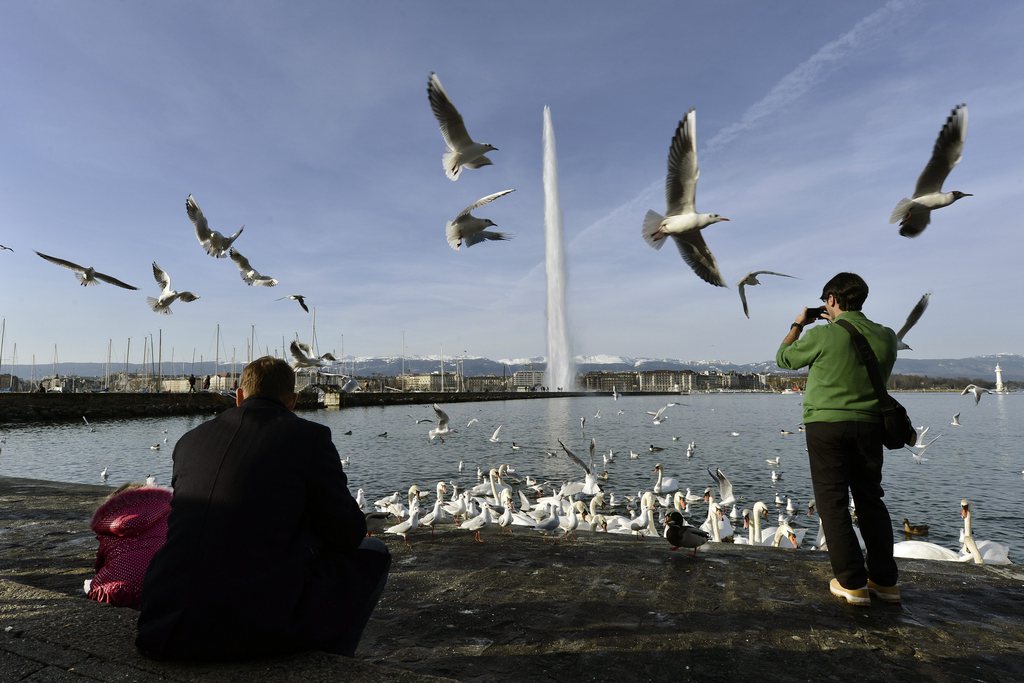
[791,87]
[797,82]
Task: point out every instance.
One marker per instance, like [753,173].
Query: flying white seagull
[462,151]
[442,428]
[304,358]
[915,213]
[750,279]
[296,297]
[467,229]
[976,391]
[86,276]
[915,315]
[168,296]
[213,242]
[250,275]
[682,221]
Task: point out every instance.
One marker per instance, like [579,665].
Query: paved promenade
[515,608]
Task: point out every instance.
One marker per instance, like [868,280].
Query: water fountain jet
[561,372]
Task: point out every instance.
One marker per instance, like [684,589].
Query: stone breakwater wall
[57,407]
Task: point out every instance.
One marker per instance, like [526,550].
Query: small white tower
[999,380]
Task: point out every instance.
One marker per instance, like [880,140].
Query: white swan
[981,552]
[923,550]
[664,484]
[717,524]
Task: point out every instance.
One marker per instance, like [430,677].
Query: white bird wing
[112,280]
[161,277]
[442,417]
[695,252]
[453,129]
[195,214]
[495,434]
[946,153]
[61,262]
[483,235]
[683,172]
[914,316]
[297,350]
[742,286]
[240,261]
[724,485]
[482,201]
[575,458]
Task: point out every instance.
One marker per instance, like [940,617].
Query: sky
[309,124]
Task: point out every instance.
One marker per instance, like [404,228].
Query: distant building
[528,380]
[485,383]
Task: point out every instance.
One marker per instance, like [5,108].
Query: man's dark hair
[849,290]
[270,377]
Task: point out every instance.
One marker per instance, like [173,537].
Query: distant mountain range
[976,368]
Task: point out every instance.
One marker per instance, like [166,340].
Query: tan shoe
[884,593]
[853,596]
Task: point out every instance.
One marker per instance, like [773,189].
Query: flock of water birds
[682,222]
[503,498]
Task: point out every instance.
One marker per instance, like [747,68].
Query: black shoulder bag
[897,429]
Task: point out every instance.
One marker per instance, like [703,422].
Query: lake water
[980,460]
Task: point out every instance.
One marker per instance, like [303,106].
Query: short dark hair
[270,377]
[849,289]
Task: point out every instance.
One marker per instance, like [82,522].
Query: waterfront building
[485,383]
[529,380]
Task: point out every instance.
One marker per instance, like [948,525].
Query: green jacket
[838,386]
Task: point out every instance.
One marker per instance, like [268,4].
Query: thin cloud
[802,79]
[793,86]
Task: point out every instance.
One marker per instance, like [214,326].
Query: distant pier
[61,407]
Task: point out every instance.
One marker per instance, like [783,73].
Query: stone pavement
[514,607]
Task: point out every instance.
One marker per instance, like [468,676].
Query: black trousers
[846,458]
[366,572]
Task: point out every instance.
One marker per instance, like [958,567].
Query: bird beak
[722,218]
[963,511]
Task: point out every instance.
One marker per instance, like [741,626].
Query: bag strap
[867,356]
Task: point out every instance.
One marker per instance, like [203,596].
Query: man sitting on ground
[266,549]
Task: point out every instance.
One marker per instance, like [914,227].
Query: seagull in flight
[213,242]
[296,297]
[4,247]
[750,279]
[86,276]
[915,213]
[915,315]
[462,151]
[660,416]
[167,295]
[304,358]
[682,221]
[442,428]
[976,391]
[956,420]
[250,275]
[494,437]
[467,229]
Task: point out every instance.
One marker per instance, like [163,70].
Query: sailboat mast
[216,362]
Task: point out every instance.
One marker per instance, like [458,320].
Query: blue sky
[309,123]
